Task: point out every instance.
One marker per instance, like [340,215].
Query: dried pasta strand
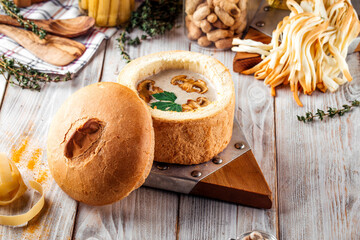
[22,219]
[11,188]
[308,48]
[11,184]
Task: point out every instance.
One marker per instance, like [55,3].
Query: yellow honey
[108,13]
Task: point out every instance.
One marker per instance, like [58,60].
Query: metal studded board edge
[182,179]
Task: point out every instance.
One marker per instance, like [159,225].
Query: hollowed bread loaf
[101,144]
[187,137]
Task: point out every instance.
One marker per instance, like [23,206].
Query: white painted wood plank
[25,117]
[201,218]
[256,115]
[319,181]
[146,213]
[2,88]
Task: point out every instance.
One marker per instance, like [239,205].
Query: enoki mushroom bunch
[308,47]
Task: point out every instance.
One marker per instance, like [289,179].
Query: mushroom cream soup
[185,84]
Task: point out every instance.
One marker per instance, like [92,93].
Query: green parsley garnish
[166,102]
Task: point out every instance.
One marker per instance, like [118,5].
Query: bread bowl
[101,144]
[191,137]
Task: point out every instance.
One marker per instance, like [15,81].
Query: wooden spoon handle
[53,49]
[20,36]
[44,24]
[22,3]
[26,3]
[9,20]
[66,27]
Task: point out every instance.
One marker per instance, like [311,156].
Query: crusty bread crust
[188,137]
[193,141]
[116,160]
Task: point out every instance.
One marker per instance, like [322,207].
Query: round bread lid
[101,144]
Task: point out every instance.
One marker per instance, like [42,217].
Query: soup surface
[189,88]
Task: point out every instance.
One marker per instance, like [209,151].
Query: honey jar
[108,13]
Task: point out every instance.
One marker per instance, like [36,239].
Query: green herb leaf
[122,41]
[167,106]
[331,112]
[13,11]
[166,102]
[165,96]
[154,18]
[24,76]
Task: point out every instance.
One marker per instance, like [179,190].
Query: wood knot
[257,94]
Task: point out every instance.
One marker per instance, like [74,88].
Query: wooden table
[312,169]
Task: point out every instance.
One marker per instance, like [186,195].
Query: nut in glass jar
[215,22]
[108,13]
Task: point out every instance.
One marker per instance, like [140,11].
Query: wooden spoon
[53,49]
[26,3]
[70,28]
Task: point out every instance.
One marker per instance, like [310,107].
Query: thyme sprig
[154,18]
[123,40]
[331,112]
[13,11]
[24,76]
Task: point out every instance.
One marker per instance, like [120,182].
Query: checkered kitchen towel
[55,9]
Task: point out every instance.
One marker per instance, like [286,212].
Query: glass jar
[108,13]
[263,235]
[214,23]
[279,3]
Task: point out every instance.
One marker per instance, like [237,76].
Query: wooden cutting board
[244,61]
[232,176]
[241,181]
